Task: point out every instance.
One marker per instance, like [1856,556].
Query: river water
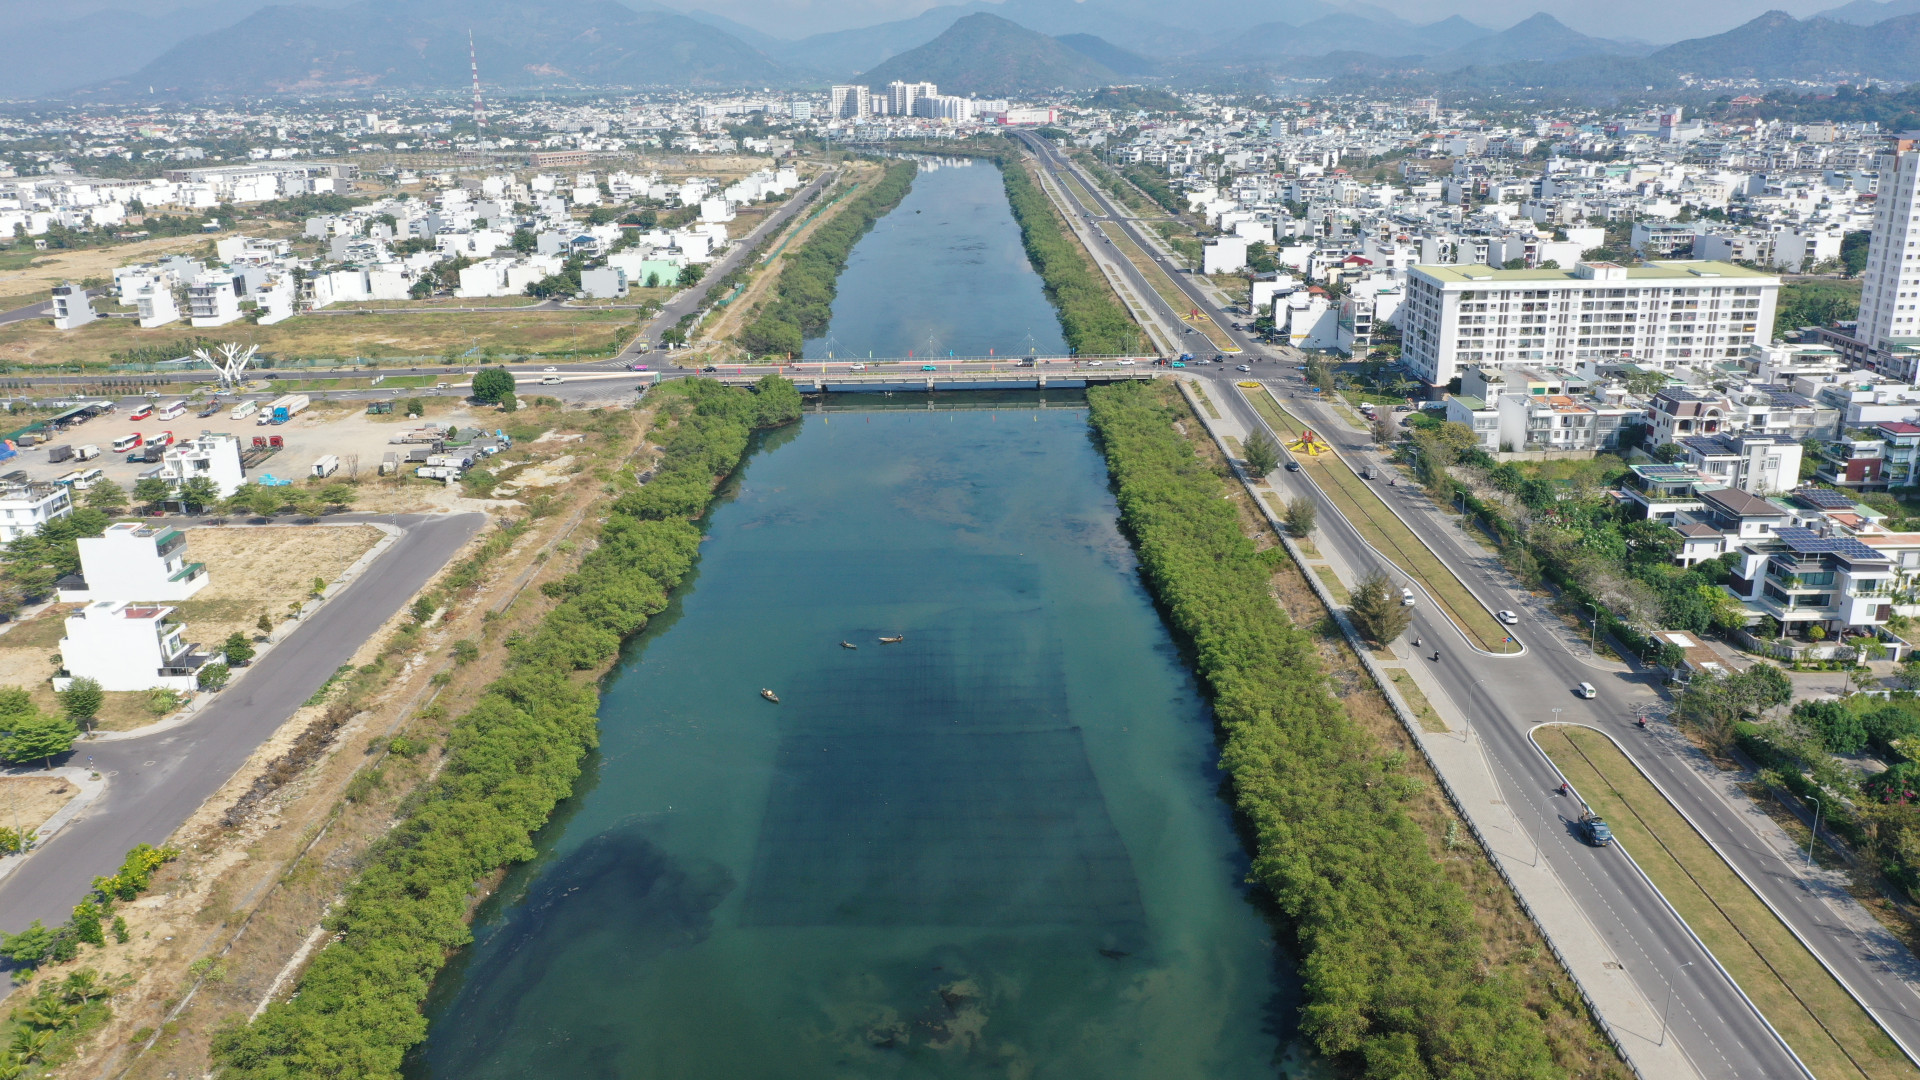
[993,849]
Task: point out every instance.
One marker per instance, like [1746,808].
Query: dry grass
[1416,700]
[26,802]
[263,570]
[1817,1017]
[1511,940]
[832,201]
[34,282]
[400,334]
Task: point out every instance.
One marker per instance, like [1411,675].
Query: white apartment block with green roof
[1660,315]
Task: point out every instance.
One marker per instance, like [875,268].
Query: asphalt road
[41,310]
[157,782]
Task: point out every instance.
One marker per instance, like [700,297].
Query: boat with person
[895,640]
[848,645]
[770,695]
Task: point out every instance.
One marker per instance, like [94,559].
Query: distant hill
[1381,35]
[986,54]
[1541,37]
[1868,12]
[1116,59]
[1777,45]
[422,44]
[842,54]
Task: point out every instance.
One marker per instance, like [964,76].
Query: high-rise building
[1890,287]
[851,102]
[902,95]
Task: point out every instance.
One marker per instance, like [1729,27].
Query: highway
[157,781]
[1505,697]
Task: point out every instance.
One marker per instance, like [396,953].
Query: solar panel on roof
[1808,542]
[1823,498]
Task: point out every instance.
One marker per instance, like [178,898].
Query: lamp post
[1816,829]
[1668,1008]
[1593,630]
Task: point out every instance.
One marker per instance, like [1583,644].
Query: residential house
[132,562]
[127,646]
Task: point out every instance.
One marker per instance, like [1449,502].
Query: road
[156,782]
[41,310]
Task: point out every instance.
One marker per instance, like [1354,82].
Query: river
[994,849]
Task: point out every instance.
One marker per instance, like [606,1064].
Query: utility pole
[479,115]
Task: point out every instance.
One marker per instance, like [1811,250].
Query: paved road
[41,310]
[157,782]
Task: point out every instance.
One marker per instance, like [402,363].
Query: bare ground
[26,802]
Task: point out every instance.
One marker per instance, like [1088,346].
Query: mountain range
[1009,47]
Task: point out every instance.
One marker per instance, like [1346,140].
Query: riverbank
[1092,318]
[1403,976]
[513,756]
[802,301]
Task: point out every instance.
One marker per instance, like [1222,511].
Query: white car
[1508,617]
[1406,597]
[856,367]
[1093,363]
[1243,367]
[1125,363]
[549,369]
[1586,690]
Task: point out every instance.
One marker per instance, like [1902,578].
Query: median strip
[1833,1035]
[1174,296]
[1380,527]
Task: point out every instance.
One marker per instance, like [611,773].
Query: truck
[437,472]
[326,466]
[86,453]
[58,454]
[286,407]
[244,409]
[389,463]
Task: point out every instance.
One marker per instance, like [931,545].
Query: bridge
[913,374]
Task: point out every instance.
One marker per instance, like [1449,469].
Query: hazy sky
[1648,20]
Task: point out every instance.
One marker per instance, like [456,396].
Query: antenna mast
[479,114]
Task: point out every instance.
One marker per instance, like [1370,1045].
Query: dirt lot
[552,332]
[26,802]
[50,268]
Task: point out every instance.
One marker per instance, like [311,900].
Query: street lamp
[1816,828]
[1594,630]
[1668,1008]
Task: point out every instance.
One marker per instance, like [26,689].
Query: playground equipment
[1310,444]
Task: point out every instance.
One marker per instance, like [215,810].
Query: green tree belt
[1397,982]
[511,759]
[1091,319]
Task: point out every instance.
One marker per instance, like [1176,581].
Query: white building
[212,303]
[72,308]
[851,103]
[131,561]
[214,456]
[125,646]
[1890,286]
[604,283]
[1223,255]
[156,305]
[26,507]
[1662,315]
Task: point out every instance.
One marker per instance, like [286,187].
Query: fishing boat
[770,696]
[848,645]
[895,640]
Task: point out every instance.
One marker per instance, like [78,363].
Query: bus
[141,413]
[126,442]
[81,479]
[172,410]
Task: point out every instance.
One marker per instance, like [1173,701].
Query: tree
[213,676]
[239,650]
[198,492]
[1300,515]
[307,503]
[265,501]
[264,624]
[341,495]
[416,406]
[106,496]
[691,274]
[82,700]
[151,491]
[1711,705]
[673,337]
[34,735]
[1377,611]
[1381,428]
[492,386]
[1262,453]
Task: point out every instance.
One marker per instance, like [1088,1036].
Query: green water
[996,849]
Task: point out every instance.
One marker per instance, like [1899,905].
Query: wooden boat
[848,645]
[895,640]
[770,696]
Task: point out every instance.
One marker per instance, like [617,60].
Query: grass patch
[1200,394]
[1332,582]
[1386,532]
[1817,1017]
[1416,700]
[1175,297]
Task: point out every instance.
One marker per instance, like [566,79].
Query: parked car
[1508,617]
[1586,690]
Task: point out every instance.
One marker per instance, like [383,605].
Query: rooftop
[1691,271]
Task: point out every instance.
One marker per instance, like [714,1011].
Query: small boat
[848,645]
[770,696]
[895,640]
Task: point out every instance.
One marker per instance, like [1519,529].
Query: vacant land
[25,282]
[263,570]
[26,802]
[1818,1018]
[552,334]
[1384,530]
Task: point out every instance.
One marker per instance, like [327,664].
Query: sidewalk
[90,785]
[1633,1022]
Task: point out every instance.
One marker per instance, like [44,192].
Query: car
[709,369]
[1124,363]
[1293,466]
[1095,363]
[1406,597]
[1507,617]
[630,367]
[1595,831]
[1586,690]
[856,367]
[549,369]
[928,367]
[1243,367]
[1179,363]
[1403,408]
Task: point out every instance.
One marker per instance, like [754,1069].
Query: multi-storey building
[851,103]
[1661,315]
[1890,286]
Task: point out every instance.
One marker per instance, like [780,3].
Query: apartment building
[125,646]
[1890,285]
[132,562]
[72,308]
[1659,316]
[26,507]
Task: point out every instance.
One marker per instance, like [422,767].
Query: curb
[1744,880]
[90,789]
